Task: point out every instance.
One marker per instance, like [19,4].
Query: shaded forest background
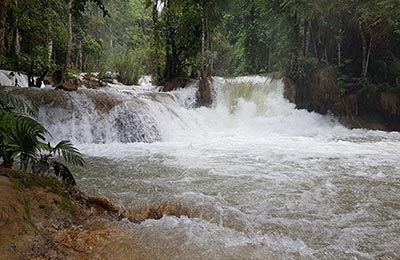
[181,38]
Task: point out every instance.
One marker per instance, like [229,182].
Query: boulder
[93,84]
[48,80]
[176,83]
[70,85]
[390,107]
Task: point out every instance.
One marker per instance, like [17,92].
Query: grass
[21,180]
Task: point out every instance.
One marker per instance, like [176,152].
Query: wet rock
[49,81]
[390,108]
[70,85]
[390,104]
[87,81]
[104,102]
[102,203]
[93,84]
[176,83]
[289,90]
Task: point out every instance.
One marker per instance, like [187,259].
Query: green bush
[23,138]
[129,65]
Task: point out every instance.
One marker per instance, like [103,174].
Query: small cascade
[93,116]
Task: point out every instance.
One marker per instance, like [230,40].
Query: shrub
[129,65]
[23,138]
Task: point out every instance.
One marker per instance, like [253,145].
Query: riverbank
[321,93]
[40,219]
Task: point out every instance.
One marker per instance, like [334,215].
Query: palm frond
[64,173]
[69,152]
[20,135]
[9,103]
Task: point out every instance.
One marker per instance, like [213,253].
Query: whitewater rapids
[266,181]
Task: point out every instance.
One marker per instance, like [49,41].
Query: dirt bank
[40,219]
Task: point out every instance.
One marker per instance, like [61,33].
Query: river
[254,177]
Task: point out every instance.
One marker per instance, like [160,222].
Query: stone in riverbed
[70,85]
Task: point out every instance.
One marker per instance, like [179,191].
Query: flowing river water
[254,177]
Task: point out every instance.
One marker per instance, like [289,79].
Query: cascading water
[254,178]
[89,116]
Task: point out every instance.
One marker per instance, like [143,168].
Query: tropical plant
[23,138]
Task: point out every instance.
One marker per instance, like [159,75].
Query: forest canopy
[180,38]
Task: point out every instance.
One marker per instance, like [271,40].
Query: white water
[13,78]
[260,179]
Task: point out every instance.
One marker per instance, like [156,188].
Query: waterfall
[93,116]
[248,106]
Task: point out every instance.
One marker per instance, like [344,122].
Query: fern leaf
[69,152]
[9,103]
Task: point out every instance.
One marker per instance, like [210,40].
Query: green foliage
[363,85]
[11,103]
[128,65]
[20,136]
[302,69]
[361,38]
[78,6]
[24,138]
[68,152]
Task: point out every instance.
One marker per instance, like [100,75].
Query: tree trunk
[312,34]
[368,57]
[50,45]
[204,93]
[339,48]
[78,56]
[156,38]
[168,39]
[326,55]
[14,43]
[39,80]
[307,36]
[203,40]
[364,67]
[68,63]
[3,27]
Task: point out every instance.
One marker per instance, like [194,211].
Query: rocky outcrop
[49,81]
[70,85]
[390,105]
[176,83]
[93,84]
[356,109]
[75,83]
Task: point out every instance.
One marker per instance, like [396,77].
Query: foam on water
[258,178]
